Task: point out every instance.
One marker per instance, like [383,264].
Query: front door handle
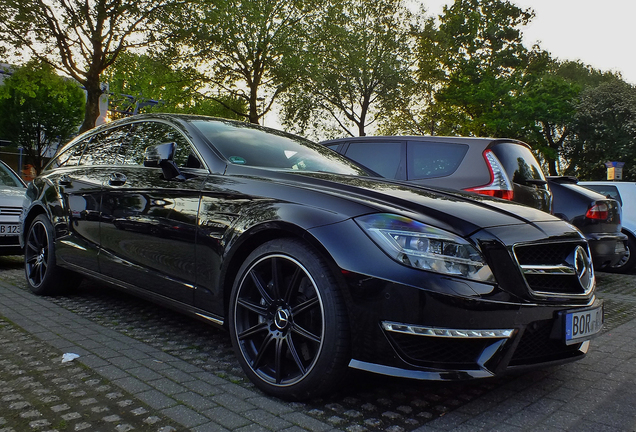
[65,180]
[117,179]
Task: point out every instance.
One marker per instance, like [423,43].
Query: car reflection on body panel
[313,265]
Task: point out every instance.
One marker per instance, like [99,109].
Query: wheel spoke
[34,234]
[305,333]
[275,279]
[294,353]
[305,306]
[278,360]
[31,246]
[42,272]
[293,284]
[252,331]
[260,355]
[33,269]
[256,308]
[261,287]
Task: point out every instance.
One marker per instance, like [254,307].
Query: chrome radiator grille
[558,269]
[10,211]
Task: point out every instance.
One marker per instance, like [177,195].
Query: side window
[519,162]
[382,157]
[104,146]
[70,156]
[147,134]
[431,159]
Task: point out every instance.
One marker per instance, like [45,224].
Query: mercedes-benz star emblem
[281,319]
[583,268]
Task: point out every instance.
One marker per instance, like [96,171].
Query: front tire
[42,273]
[288,323]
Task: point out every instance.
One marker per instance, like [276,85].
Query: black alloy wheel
[287,321]
[42,273]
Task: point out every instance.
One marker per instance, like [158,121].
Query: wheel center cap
[281,318]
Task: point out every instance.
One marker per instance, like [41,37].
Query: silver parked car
[12,190]
[625,194]
[502,168]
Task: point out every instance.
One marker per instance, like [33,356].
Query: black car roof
[484,141]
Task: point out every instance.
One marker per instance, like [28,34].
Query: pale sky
[600,33]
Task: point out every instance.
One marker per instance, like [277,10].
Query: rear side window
[382,157]
[431,159]
[607,190]
[71,156]
[519,162]
[104,146]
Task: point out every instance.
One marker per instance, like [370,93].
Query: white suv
[624,193]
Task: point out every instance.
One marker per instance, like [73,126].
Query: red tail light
[599,211]
[499,185]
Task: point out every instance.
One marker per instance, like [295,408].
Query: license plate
[581,325]
[9,229]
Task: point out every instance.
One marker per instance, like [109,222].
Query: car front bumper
[408,332]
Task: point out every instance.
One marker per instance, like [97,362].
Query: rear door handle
[117,179]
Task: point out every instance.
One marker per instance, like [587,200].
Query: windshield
[246,144]
[7,178]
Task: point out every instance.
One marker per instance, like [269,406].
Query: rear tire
[628,262]
[42,273]
[288,323]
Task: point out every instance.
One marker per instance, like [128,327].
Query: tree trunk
[93,93]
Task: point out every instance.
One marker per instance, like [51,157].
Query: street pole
[20,161]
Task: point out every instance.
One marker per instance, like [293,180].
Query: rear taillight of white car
[500,185]
[598,211]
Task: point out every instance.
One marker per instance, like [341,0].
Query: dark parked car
[595,215]
[312,266]
[12,190]
[502,168]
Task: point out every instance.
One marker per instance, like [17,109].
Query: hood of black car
[461,212]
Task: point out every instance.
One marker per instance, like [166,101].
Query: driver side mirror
[162,155]
[156,153]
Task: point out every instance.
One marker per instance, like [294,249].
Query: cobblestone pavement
[206,390]
[39,392]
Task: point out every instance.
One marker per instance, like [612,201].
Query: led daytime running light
[446,333]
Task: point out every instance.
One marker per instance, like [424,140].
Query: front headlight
[425,247]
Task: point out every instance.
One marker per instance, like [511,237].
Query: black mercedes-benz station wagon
[312,265]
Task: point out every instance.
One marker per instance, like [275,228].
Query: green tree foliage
[417,113]
[247,50]
[82,38]
[482,58]
[39,109]
[355,67]
[549,101]
[145,83]
[604,129]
